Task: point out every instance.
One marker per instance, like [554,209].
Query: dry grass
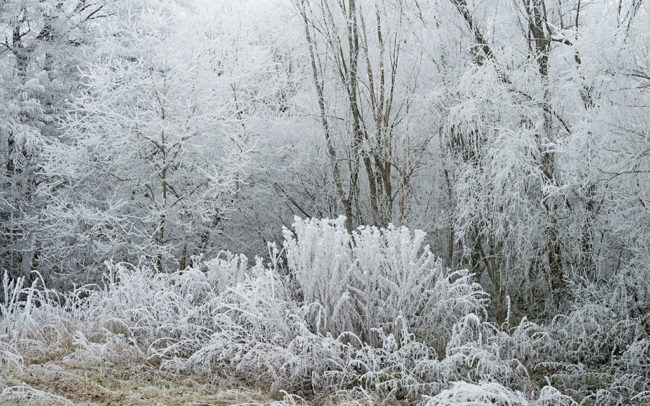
[57,382]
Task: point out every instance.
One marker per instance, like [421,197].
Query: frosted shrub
[492,393]
[261,334]
[153,308]
[606,318]
[636,357]
[225,270]
[478,351]
[592,334]
[9,355]
[319,257]
[112,349]
[369,278]
[602,349]
[251,325]
[468,394]
[38,321]
[20,307]
[26,395]
[168,314]
[396,368]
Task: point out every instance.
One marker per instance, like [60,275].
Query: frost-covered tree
[512,117]
[365,61]
[42,45]
[155,149]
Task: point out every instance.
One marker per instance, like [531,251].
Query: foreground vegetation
[368,317]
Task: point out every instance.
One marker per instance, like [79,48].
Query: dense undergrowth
[364,318]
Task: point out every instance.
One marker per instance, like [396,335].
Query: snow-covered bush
[484,393]
[370,277]
[602,352]
[250,326]
[478,351]
[260,332]
[9,355]
[26,395]
[35,320]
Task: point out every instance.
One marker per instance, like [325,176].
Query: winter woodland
[336,202]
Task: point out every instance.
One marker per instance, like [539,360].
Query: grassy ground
[55,382]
